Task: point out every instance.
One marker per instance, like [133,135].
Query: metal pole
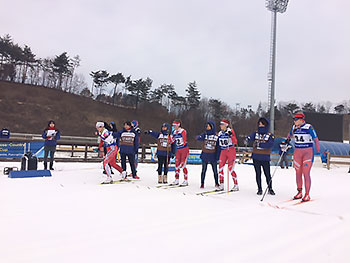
[272,70]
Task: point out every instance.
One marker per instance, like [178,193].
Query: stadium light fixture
[275,6]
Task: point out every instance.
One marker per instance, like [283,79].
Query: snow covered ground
[70,217]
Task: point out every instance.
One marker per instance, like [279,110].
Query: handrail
[64,138]
[345,160]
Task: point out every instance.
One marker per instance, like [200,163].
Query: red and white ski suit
[227,141]
[304,136]
[112,151]
[182,152]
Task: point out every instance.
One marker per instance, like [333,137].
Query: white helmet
[100,124]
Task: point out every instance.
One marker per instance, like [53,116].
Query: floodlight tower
[275,6]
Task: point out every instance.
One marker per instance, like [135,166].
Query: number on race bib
[299,138]
[224,142]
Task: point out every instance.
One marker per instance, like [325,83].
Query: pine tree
[339,109]
[193,95]
[291,108]
[100,79]
[116,79]
[61,65]
[28,58]
[139,89]
[309,107]
[216,109]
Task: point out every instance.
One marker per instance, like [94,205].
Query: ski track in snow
[70,217]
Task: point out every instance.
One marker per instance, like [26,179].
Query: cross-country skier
[284,148]
[165,150]
[182,152]
[210,152]
[112,128]
[227,141]
[112,150]
[262,143]
[128,141]
[135,125]
[305,136]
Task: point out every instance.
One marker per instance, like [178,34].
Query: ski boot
[271,191]
[306,198]
[108,180]
[235,188]
[123,175]
[299,195]
[221,187]
[184,183]
[260,192]
[176,182]
[165,179]
[160,179]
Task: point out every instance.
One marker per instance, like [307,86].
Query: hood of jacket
[167,125]
[263,130]
[213,128]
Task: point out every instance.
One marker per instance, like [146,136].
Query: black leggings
[131,158]
[47,150]
[163,161]
[284,160]
[214,165]
[266,167]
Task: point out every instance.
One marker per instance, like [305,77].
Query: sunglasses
[295,119]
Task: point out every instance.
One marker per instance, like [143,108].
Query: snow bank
[72,218]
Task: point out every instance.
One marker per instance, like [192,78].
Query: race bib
[225,142]
[179,141]
[302,138]
[164,142]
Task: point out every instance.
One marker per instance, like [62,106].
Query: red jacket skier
[112,150]
[305,136]
[226,142]
[182,152]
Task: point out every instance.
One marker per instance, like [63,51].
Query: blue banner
[17,149]
[194,156]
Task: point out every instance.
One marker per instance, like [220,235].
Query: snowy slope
[71,218]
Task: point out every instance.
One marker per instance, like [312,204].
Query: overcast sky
[222,44]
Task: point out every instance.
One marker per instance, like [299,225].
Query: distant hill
[27,109]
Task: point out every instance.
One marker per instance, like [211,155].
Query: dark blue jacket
[163,152]
[262,143]
[51,140]
[208,138]
[128,141]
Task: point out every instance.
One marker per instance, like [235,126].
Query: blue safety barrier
[30,174]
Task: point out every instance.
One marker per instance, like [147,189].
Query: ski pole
[268,185]
[167,154]
[228,179]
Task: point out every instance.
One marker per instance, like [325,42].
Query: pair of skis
[120,181]
[288,203]
[168,186]
[215,191]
